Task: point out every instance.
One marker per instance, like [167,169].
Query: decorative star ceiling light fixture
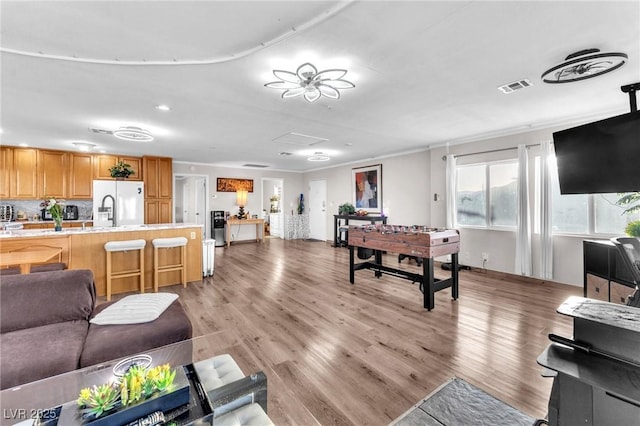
[310,83]
[584,64]
[131,133]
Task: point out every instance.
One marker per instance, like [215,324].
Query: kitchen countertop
[23,233]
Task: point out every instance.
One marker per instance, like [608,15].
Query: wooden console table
[259,224]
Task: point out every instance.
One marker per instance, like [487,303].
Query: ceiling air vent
[100,131]
[258,166]
[516,85]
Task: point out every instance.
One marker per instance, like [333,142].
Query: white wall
[292,186]
[405,188]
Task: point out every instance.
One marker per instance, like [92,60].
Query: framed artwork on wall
[233,184]
[366,184]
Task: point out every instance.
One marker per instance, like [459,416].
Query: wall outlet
[485,257]
[193,235]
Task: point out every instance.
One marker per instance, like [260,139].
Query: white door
[190,198]
[318,209]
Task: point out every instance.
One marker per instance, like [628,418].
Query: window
[582,213]
[486,194]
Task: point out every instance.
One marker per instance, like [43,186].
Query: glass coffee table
[37,399]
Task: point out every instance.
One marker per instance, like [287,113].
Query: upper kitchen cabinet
[136,166]
[80,176]
[24,179]
[102,164]
[158,177]
[52,174]
[6,163]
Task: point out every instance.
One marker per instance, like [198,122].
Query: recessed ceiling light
[162,107]
[131,133]
[23,144]
[84,146]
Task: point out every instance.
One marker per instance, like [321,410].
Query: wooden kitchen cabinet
[158,211]
[158,189]
[136,166]
[52,174]
[6,164]
[103,162]
[24,182]
[80,176]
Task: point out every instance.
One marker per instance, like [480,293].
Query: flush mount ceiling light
[130,133]
[84,146]
[319,156]
[584,64]
[310,83]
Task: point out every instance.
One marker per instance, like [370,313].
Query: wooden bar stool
[127,245]
[169,243]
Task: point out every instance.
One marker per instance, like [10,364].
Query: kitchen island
[84,249]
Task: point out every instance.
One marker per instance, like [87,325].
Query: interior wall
[292,183]
[405,188]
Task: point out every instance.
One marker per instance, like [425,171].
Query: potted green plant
[632,203]
[633,229]
[346,208]
[121,170]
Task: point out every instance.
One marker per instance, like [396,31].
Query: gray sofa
[45,329]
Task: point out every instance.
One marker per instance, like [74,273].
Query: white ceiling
[426,74]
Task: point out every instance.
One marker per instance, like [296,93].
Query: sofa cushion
[135,309]
[31,301]
[109,342]
[39,352]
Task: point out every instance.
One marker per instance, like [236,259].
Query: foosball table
[420,242]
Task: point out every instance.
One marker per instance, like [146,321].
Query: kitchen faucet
[112,211]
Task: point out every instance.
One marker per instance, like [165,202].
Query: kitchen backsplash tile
[32,207]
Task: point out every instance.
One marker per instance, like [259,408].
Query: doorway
[190,200]
[272,196]
[318,210]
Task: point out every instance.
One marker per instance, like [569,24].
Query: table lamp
[241,200]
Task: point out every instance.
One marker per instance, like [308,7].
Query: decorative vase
[301,204]
[57,222]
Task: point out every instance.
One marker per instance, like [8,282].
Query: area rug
[458,403]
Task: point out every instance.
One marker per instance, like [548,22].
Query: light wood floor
[364,354]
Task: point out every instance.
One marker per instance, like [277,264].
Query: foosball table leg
[351,265]
[427,283]
[454,276]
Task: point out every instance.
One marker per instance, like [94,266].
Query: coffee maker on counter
[70,212]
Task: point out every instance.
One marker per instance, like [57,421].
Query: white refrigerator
[118,203]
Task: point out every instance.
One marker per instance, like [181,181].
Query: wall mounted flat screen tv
[600,157]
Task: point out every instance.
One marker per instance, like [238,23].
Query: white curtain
[451,191]
[546,237]
[523,222]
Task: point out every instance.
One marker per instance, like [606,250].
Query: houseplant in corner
[632,203]
[54,207]
[121,170]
